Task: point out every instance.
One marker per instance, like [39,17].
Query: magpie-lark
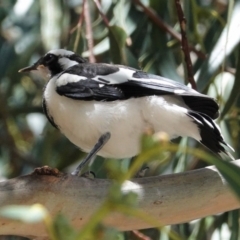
[86,100]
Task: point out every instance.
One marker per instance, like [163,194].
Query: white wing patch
[157,81]
[66,78]
[66,62]
[118,77]
[179,91]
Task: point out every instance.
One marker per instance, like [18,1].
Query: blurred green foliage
[133,36]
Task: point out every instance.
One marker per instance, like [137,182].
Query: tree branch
[89,33]
[161,24]
[184,42]
[174,198]
[104,17]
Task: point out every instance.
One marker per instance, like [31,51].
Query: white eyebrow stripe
[67,63]
[61,52]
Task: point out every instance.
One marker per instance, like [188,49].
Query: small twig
[98,5]
[89,34]
[106,21]
[140,235]
[78,28]
[159,22]
[79,24]
[230,70]
[185,48]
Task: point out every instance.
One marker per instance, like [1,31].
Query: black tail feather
[200,104]
[211,136]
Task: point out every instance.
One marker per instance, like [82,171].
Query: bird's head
[54,62]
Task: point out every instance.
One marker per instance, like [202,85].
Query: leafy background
[142,34]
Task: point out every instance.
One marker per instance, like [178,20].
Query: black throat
[55,68]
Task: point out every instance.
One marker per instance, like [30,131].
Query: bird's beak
[28,69]
[32,68]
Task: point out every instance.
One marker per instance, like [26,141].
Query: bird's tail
[210,134]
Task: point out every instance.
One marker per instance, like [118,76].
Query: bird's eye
[49,57]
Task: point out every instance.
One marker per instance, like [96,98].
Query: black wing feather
[90,90]
[139,85]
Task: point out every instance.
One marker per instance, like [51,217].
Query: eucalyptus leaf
[62,229]
[234,216]
[235,89]
[230,172]
[121,13]
[51,19]
[117,37]
[226,43]
[99,48]
[222,88]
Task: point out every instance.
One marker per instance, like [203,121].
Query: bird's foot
[88,174]
[141,173]
[46,170]
[98,146]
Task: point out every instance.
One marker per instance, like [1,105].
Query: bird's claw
[141,173]
[88,174]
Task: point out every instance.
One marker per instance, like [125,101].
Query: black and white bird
[86,100]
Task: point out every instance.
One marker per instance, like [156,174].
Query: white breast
[83,122]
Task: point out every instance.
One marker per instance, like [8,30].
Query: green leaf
[235,90]
[50,33]
[117,37]
[234,217]
[221,88]
[230,172]
[162,55]
[226,43]
[123,17]
[62,229]
[99,48]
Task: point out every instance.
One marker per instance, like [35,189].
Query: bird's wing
[105,82]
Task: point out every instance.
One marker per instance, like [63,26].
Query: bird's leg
[98,146]
[141,173]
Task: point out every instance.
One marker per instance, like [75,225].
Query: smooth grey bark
[174,198]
